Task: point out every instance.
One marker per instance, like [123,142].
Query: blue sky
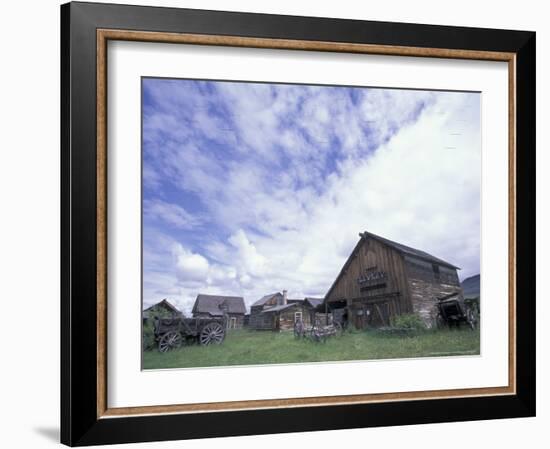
[251,188]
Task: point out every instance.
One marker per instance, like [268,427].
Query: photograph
[292,222]
[302,223]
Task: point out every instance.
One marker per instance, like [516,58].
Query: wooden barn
[230,307]
[382,278]
[278,313]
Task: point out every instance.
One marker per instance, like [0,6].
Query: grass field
[246,347]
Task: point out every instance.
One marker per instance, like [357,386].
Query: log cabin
[383,278]
[276,312]
[230,307]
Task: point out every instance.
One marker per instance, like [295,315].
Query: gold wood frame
[103,36]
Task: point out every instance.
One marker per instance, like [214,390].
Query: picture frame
[86,28]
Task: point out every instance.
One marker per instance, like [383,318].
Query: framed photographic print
[279,224]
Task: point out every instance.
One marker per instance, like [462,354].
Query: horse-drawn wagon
[317,333]
[172,333]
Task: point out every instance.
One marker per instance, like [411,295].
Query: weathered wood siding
[427,282]
[260,320]
[371,255]
[238,323]
[279,320]
[288,316]
[321,319]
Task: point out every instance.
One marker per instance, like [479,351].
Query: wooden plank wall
[425,287]
[283,320]
[286,318]
[371,254]
[260,320]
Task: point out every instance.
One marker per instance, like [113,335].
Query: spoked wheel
[471,318]
[440,323]
[317,335]
[298,329]
[212,333]
[339,329]
[170,340]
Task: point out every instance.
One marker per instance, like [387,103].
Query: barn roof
[264,299]
[213,304]
[403,249]
[408,250]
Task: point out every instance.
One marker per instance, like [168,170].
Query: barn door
[360,316]
[380,313]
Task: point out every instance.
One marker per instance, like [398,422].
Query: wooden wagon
[172,333]
[452,311]
[317,332]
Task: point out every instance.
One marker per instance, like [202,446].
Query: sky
[253,188]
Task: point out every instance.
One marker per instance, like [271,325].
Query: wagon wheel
[312,333]
[212,333]
[339,330]
[298,329]
[440,322]
[316,335]
[471,318]
[170,340]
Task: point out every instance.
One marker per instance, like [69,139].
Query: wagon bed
[172,333]
[452,310]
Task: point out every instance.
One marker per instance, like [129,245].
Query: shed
[277,312]
[230,307]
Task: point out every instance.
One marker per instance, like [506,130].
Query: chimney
[284,298]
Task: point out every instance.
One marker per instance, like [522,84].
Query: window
[232,323]
[297,316]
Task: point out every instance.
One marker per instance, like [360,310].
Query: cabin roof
[264,299]
[403,249]
[213,304]
[165,304]
[278,308]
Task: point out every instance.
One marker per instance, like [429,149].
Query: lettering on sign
[372,279]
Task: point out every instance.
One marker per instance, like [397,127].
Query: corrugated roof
[213,304]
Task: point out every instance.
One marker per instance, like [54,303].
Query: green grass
[247,347]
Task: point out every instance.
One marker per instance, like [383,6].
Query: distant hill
[471,286]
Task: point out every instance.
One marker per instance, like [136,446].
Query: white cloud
[172,214]
[293,228]
[190,266]
[249,260]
